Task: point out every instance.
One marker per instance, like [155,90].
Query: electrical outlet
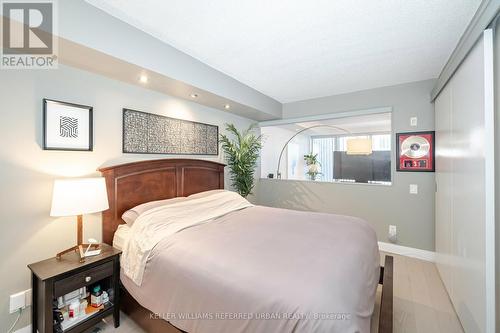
[28,296]
[413,121]
[393,233]
[392,230]
[17,301]
[413,189]
[20,300]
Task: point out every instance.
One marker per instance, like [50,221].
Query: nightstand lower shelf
[67,325]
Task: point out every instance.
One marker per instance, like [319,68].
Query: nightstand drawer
[86,278]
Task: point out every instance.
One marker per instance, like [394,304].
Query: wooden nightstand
[54,278]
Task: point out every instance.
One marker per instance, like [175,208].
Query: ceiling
[89,59]
[295,50]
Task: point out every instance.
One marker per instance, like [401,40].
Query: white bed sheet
[122,234]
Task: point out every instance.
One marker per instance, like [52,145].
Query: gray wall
[380,205]
[27,172]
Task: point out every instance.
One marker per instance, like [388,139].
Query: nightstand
[53,279]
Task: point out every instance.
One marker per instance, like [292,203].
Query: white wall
[274,138]
[27,172]
[295,164]
[465,189]
[271,150]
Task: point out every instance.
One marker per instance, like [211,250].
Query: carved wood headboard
[135,183]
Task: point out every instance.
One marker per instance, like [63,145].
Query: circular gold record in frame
[415,146]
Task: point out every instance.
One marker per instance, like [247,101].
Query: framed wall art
[415,151]
[67,126]
[147,133]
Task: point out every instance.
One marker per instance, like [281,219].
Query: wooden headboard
[135,183]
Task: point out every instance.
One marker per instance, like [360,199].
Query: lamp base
[79,250]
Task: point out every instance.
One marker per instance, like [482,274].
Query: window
[337,165]
[318,150]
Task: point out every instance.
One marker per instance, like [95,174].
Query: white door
[465,208]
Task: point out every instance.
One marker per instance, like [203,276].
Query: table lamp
[79,196]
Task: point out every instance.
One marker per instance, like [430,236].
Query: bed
[250,268]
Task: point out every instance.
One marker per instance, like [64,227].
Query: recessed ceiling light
[193,95]
[227,106]
[143,79]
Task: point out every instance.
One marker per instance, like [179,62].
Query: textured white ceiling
[293,50]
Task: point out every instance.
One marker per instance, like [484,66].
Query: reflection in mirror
[353,149]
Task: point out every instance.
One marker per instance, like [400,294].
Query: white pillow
[204,194]
[132,214]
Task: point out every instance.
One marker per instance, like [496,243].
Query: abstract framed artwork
[415,151]
[147,133]
[67,126]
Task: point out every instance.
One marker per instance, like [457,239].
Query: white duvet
[161,222]
[220,265]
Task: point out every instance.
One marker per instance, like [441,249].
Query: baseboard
[25,329]
[407,251]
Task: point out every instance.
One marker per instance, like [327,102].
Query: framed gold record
[415,151]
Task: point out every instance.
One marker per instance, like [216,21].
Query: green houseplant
[313,165]
[241,152]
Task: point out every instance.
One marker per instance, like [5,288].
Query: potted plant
[241,153]
[313,165]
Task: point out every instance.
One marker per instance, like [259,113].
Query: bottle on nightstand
[96,297]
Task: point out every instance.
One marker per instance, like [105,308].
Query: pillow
[132,214]
[204,194]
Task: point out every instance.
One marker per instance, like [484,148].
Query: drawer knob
[88,278]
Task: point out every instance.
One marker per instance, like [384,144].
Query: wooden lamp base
[80,245]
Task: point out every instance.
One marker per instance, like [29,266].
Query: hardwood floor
[421,304]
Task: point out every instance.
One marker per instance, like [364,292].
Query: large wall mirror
[346,148]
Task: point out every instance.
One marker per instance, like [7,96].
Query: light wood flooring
[421,304]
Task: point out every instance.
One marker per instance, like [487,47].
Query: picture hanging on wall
[415,151]
[147,133]
[67,126]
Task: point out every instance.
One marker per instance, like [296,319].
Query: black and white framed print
[148,133]
[67,126]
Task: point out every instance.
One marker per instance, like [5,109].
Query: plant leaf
[241,154]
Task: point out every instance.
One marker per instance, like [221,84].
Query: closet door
[465,188]
[496,65]
[444,186]
[468,232]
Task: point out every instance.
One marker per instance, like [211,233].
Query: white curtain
[324,147]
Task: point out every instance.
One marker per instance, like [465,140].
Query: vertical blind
[324,147]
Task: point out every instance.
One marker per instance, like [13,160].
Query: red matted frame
[423,164]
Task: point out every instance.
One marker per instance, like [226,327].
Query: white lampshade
[79,196]
[359,146]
